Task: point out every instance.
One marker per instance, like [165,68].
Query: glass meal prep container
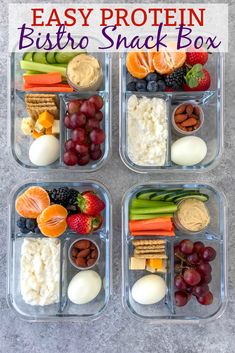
[211,132]
[19,143]
[215,236]
[64,310]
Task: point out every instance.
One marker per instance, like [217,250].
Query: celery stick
[137,203]
[135,217]
[28,65]
[149,210]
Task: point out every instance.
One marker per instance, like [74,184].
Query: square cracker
[137,242]
[153,256]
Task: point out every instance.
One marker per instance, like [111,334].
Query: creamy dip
[193,215]
[84,71]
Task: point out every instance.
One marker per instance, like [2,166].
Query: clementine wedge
[32,202]
[52,221]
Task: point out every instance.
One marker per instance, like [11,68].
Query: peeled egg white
[84,287]
[188,151]
[149,289]
[44,150]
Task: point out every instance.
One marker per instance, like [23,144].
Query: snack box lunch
[29,106]
[137,95]
[24,258]
[156,299]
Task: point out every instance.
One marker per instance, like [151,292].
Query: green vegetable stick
[28,65]
[136,217]
[166,209]
[136,203]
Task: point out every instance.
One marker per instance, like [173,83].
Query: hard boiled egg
[188,151]
[44,150]
[149,289]
[84,287]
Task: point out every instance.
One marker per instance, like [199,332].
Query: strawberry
[90,204]
[198,56]
[197,79]
[82,223]
[100,221]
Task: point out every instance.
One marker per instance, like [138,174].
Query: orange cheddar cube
[155,263]
[49,131]
[46,119]
[36,134]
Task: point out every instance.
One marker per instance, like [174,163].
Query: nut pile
[84,253]
[187,117]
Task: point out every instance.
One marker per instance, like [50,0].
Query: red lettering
[106,14]
[54,17]
[85,17]
[182,11]
[70,17]
[169,16]
[192,14]
[122,17]
[37,16]
[155,16]
[139,10]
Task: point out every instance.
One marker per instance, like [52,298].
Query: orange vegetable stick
[151,224]
[43,79]
[166,233]
[56,88]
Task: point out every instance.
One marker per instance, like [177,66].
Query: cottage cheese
[147,131]
[40,269]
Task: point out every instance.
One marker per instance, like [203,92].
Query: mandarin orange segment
[32,202]
[169,59]
[52,221]
[137,65]
[150,55]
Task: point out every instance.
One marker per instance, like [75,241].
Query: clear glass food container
[215,235]
[211,131]
[64,310]
[19,143]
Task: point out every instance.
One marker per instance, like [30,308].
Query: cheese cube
[137,264]
[27,125]
[46,119]
[56,127]
[39,127]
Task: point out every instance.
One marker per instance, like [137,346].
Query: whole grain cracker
[160,246]
[137,242]
[151,256]
[149,251]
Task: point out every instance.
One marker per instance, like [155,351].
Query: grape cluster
[193,272]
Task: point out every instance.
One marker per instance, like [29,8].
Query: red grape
[77,120]
[82,149]
[84,159]
[88,109]
[70,158]
[74,106]
[206,299]
[97,136]
[69,145]
[206,278]
[92,124]
[192,277]
[208,254]
[95,155]
[198,246]
[177,267]
[205,267]
[189,289]
[201,290]
[180,283]
[97,101]
[186,246]
[193,258]
[79,135]
[181,298]
[99,116]
[94,147]
[67,122]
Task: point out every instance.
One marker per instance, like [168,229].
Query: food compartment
[21,140]
[208,257]
[209,142]
[32,306]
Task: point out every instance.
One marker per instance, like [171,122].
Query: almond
[82,244]
[189,122]
[74,252]
[81,262]
[179,118]
[91,262]
[189,109]
[83,253]
[180,109]
[194,116]
[197,110]
[94,254]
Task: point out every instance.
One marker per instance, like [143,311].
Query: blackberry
[176,79]
[73,195]
[60,195]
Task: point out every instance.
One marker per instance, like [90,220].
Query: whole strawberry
[90,204]
[197,79]
[82,223]
[199,56]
